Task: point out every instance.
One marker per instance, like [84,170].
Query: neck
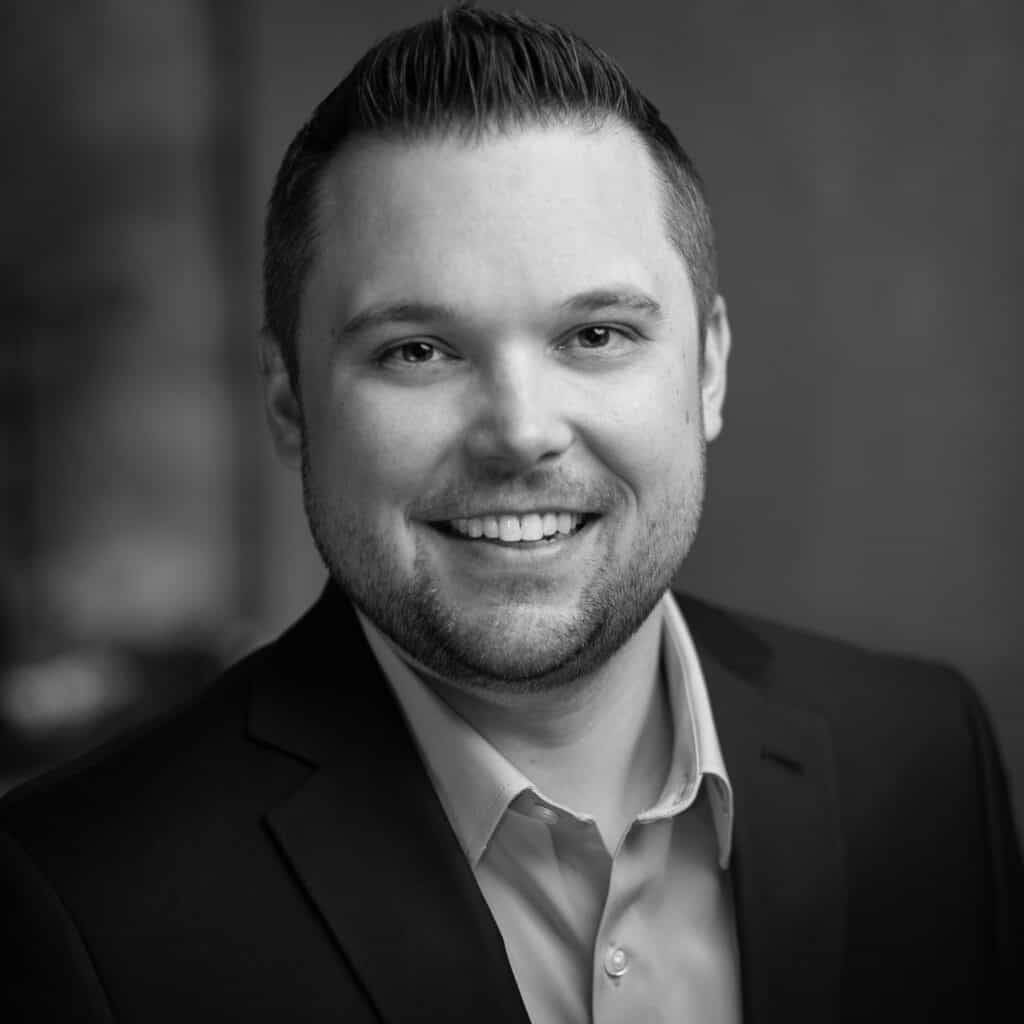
[601,746]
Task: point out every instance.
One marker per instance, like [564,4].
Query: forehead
[497,223]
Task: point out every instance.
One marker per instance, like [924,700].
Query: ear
[284,411]
[717,342]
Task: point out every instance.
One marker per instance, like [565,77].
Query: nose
[521,415]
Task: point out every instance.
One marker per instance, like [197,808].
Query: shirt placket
[623,978]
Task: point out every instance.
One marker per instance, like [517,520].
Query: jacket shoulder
[922,791]
[816,668]
[166,759]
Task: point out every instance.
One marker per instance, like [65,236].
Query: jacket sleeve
[46,973]
[1006,866]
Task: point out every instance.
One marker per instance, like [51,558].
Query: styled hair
[464,73]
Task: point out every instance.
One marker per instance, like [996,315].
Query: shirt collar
[697,754]
[476,783]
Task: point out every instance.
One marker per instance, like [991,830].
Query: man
[498,772]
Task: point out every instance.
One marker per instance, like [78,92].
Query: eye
[600,338]
[413,353]
[594,337]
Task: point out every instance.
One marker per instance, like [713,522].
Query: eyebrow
[606,298]
[591,301]
[396,312]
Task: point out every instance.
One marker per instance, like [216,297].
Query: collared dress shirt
[644,932]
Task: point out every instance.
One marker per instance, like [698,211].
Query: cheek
[649,433]
[376,448]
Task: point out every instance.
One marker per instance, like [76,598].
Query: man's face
[502,411]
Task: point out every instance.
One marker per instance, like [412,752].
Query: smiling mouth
[508,528]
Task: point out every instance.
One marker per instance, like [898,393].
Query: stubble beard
[482,654]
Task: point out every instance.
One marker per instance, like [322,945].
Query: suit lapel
[787,865]
[368,838]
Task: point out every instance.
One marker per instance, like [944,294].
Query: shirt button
[616,962]
[544,814]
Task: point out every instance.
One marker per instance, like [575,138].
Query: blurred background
[864,162]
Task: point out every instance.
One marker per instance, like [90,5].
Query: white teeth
[511,529]
[533,527]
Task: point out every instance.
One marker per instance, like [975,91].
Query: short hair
[465,72]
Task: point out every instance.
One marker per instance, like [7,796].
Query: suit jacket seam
[81,953]
[997,827]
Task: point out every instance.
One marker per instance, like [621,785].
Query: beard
[506,647]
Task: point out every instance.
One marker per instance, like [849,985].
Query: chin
[513,649]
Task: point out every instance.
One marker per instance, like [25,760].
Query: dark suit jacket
[275,851]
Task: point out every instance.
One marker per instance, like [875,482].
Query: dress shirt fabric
[643,932]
